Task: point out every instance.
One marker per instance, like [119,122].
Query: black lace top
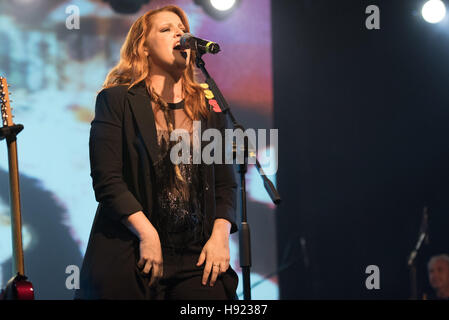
[179,217]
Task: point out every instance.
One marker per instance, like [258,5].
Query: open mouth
[181,51]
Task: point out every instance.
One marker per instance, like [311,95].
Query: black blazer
[122,145]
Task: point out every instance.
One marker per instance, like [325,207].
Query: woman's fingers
[213,269]
[206,272]
[225,267]
[156,274]
[161,271]
[217,261]
[141,263]
[151,258]
[201,258]
[147,267]
[215,273]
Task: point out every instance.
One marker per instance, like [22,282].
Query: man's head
[438,268]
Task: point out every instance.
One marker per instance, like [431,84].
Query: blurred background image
[55,73]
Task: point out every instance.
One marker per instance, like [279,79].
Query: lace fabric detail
[179,217]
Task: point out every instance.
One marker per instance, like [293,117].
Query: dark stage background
[363,145]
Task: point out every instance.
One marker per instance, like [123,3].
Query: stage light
[433,11]
[222,5]
[218,9]
[126,6]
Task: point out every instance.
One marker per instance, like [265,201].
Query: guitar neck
[16,220]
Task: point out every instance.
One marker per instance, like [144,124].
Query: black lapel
[140,103]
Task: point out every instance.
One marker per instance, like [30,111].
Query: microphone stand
[423,234]
[288,259]
[244,233]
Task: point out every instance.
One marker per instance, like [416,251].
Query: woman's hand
[216,252]
[151,256]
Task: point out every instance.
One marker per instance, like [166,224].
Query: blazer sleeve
[106,156]
[225,184]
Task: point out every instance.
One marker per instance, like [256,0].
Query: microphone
[425,224]
[188,41]
[423,236]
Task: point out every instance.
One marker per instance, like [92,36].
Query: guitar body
[18,288]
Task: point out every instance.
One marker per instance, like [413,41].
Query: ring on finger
[219,268]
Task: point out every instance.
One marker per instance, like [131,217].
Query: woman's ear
[146,52]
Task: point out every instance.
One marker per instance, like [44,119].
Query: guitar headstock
[4,103]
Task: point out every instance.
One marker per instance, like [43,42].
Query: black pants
[182,279]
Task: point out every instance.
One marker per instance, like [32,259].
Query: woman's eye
[167,29]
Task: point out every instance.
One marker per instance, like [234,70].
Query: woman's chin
[180,64]
[181,55]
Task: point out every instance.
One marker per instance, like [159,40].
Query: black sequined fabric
[179,204]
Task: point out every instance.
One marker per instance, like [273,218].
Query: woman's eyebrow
[169,23]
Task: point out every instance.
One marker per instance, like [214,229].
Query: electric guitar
[17,288]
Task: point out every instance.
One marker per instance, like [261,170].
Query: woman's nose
[179,33]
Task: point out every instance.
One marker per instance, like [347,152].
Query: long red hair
[133,66]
